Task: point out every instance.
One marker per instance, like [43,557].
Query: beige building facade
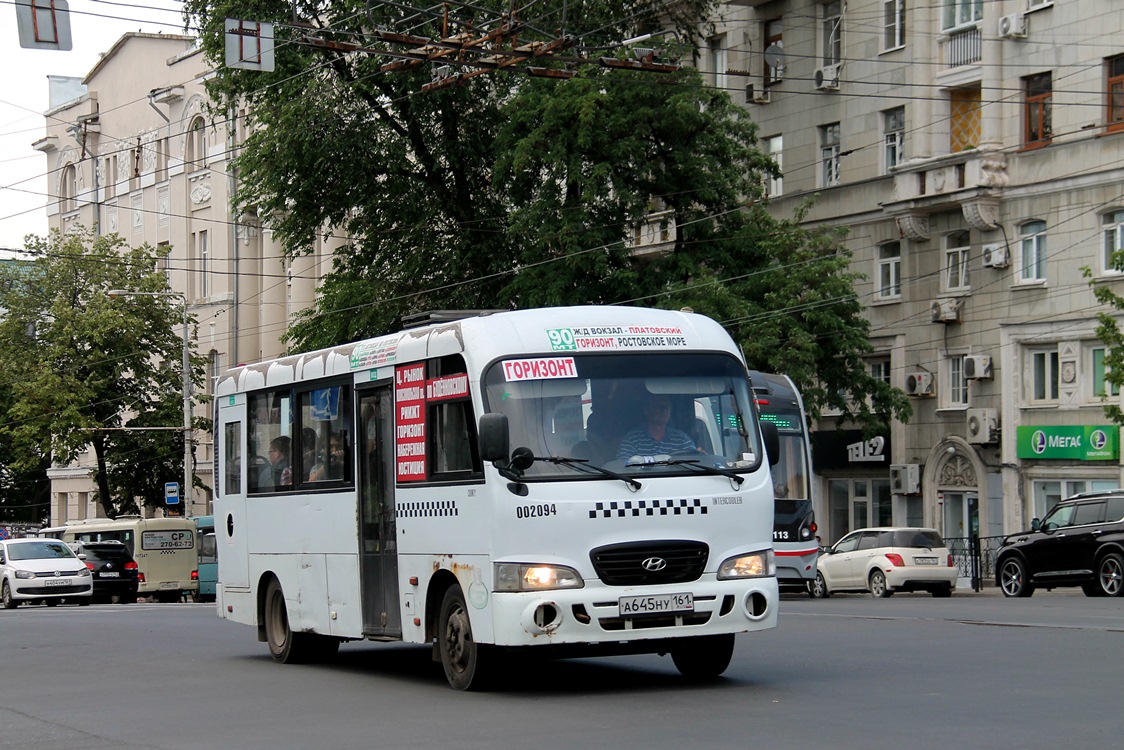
[134,149]
[975,153]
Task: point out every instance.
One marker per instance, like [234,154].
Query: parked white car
[45,570]
[885,560]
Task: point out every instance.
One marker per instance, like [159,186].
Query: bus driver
[655,437]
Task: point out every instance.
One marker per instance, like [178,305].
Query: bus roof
[485,337]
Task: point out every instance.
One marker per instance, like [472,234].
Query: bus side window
[453,438]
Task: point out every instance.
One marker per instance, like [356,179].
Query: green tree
[79,365]
[507,190]
[1108,331]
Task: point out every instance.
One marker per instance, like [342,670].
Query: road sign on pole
[171,493]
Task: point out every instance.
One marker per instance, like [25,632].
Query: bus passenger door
[377,527]
[230,500]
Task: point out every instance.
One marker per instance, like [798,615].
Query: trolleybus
[794,524]
[573,481]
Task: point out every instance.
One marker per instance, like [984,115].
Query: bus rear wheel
[703,657]
[285,646]
[468,665]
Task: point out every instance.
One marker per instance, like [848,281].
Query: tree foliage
[77,365]
[507,190]
[1108,331]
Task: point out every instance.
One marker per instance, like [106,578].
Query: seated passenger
[655,437]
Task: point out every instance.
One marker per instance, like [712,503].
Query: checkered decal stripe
[622,508]
[429,509]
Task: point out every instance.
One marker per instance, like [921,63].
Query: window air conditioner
[919,384]
[982,426]
[1012,26]
[827,78]
[995,256]
[905,479]
[945,311]
[977,367]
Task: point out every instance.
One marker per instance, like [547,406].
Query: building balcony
[972,181]
[959,47]
[654,236]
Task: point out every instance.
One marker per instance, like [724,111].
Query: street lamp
[186,493]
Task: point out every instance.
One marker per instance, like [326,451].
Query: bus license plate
[659,604]
[924,561]
[169,584]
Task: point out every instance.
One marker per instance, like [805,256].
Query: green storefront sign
[1081,443]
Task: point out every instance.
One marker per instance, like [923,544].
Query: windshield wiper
[693,463]
[584,464]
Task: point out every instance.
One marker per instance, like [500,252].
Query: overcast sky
[95,25]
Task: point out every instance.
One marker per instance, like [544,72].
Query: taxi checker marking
[427,509]
[623,508]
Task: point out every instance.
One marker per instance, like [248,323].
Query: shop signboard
[1071,442]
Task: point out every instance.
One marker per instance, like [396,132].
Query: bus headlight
[528,577]
[755,565]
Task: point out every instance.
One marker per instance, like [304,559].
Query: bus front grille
[649,563]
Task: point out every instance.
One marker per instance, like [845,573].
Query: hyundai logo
[654,564]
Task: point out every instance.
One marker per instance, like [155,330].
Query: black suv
[113,568]
[1080,542]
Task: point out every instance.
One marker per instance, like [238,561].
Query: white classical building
[134,149]
[975,153]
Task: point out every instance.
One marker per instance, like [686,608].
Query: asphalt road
[906,673]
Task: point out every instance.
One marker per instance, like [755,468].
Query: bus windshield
[635,414]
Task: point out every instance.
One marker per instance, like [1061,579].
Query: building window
[773,147]
[1037,130]
[893,24]
[1099,369]
[829,155]
[195,149]
[893,126]
[880,369]
[956,392]
[204,254]
[965,120]
[161,146]
[1113,240]
[774,40]
[832,33]
[1048,493]
[961,13]
[68,188]
[956,247]
[890,271]
[1114,69]
[214,370]
[718,64]
[1033,248]
[1044,376]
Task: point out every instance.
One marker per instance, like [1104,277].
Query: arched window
[195,150]
[68,188]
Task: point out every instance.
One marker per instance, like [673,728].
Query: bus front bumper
[597,613]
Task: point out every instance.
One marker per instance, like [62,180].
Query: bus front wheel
[466,662]
[703,657]
[285,646]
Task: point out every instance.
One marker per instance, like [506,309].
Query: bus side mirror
[772,440]
[494,440]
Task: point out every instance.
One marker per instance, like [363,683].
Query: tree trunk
[104,496]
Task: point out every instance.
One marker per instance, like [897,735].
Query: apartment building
[975,153]
[133,148]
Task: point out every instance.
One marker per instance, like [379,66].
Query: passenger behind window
[336,462]
[279,474]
